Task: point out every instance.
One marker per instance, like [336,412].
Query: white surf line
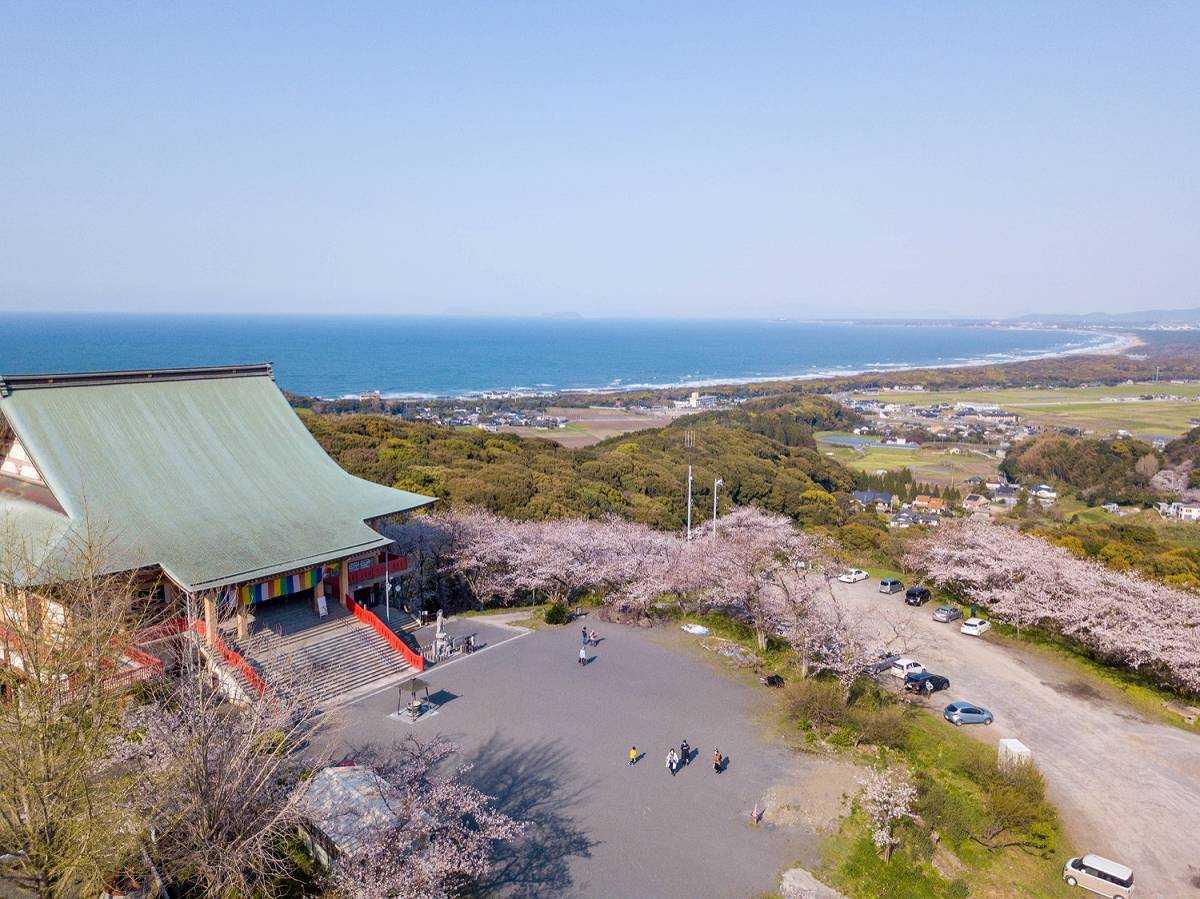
[383,688]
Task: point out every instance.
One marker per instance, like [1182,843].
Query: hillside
[639,476]
[1099,470]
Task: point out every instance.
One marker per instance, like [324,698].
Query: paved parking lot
[549,740]
[1128,788]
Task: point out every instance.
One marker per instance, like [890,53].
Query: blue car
[962,712]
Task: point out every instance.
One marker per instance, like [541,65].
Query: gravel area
[549,739]
[1128,788]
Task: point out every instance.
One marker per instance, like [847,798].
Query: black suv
[915,596]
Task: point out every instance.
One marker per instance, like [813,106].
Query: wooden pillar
[210,617]
[31,609]
[243,619]
[344,582]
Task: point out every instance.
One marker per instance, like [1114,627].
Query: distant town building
[974,502]
[879,500]
[924,503]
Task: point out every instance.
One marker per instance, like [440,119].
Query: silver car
[946,613]
[962,712]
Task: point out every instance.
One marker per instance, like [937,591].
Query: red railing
[168,628]
[235,660]
[371,620]
[145,665]
[394,566]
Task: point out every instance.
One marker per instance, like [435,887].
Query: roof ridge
[9,383]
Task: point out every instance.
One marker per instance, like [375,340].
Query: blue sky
[751,159]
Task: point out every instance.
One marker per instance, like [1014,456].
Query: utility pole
[719,482]
[689,442]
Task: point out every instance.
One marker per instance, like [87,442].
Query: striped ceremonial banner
[279,586]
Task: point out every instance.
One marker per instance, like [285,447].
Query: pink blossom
[1122,618]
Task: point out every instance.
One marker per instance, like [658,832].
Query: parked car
[915,596]
[853,576]
[882,664]
[926,682]
[903,667]
[975,627]
[962,712]
[1099,875]
[890,585]
[946,613]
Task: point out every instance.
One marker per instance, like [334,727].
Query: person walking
[582,655]
[717,759]
[672,761]
[633,756]
[583,638]
[685,753]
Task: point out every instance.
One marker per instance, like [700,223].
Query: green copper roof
[205,472]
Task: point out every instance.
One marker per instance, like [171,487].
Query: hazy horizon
[607,161]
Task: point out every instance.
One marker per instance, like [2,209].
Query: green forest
[1098,470]
[639,476]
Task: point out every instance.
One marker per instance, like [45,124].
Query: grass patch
[532,608]
[963,797]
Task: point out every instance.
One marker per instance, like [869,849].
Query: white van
[1099,875]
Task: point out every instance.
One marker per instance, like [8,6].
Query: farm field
[1088,408]
[930,464]
[588,426]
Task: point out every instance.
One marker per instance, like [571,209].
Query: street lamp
[717,484]
[689,504]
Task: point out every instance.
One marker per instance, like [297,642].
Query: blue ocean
[333,356]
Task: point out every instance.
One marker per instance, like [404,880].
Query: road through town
[1127,787]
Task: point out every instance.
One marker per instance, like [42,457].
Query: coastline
[1118,343]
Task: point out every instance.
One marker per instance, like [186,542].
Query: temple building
[203,481]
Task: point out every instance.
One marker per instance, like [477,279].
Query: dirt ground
[1127,787]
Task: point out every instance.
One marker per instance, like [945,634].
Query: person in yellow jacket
[633,756]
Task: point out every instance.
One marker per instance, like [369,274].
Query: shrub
[951,810]
[882,726]
[818,703]
[557,613]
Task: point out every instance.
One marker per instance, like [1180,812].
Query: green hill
[640,476]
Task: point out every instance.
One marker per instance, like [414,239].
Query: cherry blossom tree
[559,558]
[215,780]
[444,834]
[1122,618]
[757,565]
[751,564]
[887,798]
[483,550]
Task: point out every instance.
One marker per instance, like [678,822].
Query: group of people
[677,758]
[586,638]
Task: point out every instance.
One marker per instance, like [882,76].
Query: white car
[853,576]
[903,667]
[974,627]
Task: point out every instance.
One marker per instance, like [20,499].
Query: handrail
[144,659]
[370,619]
[396,565]
[235,659]
[154,632]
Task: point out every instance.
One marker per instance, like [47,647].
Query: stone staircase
[290,644]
